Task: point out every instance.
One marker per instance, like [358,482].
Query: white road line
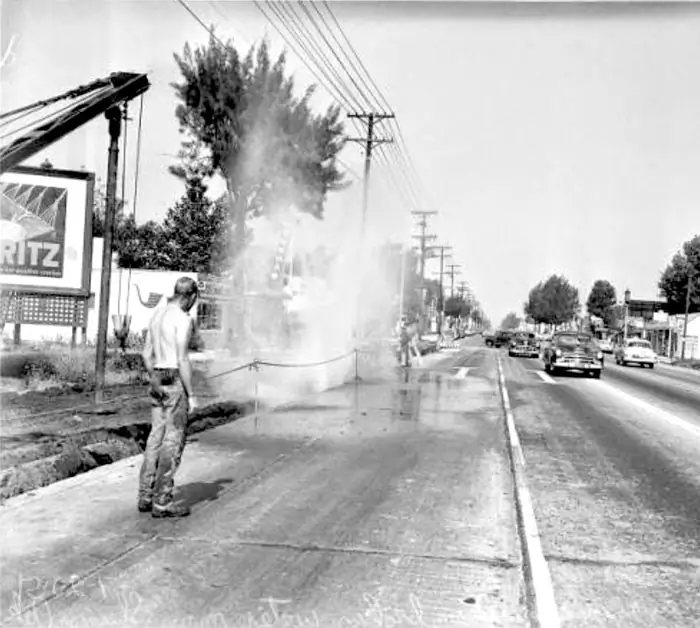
[542,590]
[545,377]
[646,406]
[463,372]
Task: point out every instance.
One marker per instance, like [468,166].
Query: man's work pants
[165,442]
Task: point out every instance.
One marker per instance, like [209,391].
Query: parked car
[573,351]
[524,344]
[636,351]
[499,339]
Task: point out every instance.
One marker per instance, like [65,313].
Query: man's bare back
[170,329]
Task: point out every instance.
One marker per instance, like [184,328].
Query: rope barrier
[248,365]
[254,365]
[308,364]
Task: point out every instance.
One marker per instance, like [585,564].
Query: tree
[143,246]
[511,321]
[259,136]
[682,272]
[534,306]
[553,302]
[195,230]
[457,306]
[602,300]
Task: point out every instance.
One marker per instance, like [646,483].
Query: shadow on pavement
[199,492]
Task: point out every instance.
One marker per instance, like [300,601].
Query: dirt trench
[47,454]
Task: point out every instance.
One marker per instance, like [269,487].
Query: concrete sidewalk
[387,501]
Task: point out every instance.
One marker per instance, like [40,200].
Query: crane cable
[136,187]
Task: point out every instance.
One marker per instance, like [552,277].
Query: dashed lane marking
[545,377]
[647,407]
[543,606]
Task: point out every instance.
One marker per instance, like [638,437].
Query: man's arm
[147,353]
[183,334]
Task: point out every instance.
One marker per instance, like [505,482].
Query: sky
[551,139]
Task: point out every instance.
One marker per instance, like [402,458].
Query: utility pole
[114,115]
[687,312]
[442,288]
[369,143]
[452,273]
[423,237]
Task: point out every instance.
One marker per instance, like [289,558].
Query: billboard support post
[114,115]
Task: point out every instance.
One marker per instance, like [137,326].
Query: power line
[349,96]
[352,48]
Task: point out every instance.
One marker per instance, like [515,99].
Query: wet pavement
[386,502]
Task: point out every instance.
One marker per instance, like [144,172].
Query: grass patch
[66,366]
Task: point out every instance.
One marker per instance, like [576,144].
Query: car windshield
[571,340]
[640,344]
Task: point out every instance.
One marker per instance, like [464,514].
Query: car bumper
[578,365]
[640,360]
[524,351]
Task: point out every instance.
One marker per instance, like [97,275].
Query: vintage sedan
[636,351]
[573,351]
[524,344]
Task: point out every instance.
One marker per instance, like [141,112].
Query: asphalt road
[613,466]
[389,503]
[384,504]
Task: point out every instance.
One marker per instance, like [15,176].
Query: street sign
[638,308]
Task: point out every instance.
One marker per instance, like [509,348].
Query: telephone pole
[423,237]
[442,248]
[370,141]
[452,272]
[687,312]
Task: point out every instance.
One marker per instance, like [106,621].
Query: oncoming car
[573,351]
[524,344]
[636,351]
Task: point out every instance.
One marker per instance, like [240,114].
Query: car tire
[596,374]
[651,366]
[489,344]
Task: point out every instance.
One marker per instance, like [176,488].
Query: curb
[542,606]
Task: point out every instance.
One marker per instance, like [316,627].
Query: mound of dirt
[61,448]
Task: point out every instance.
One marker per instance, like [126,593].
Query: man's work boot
[171,510]
[145,505]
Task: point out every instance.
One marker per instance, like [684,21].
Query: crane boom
[119,87]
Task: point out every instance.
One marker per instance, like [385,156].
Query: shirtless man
[165,357]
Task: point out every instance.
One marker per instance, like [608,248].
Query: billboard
[46,230]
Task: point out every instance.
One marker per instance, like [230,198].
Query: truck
[499,339]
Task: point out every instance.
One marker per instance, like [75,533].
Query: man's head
[185,293]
